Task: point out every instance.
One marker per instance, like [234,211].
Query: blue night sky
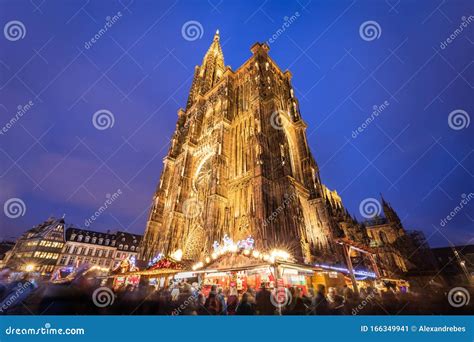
[57,162]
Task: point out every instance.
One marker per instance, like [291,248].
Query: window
[85,250]
[79,238]
[118,255]
[79,250]
[107,242]
[87,239]
[63,260]
[71,261]
[120,246]
[73,236]
[94,239]
[126,247]
[101,240]
[132,248]
[99,253]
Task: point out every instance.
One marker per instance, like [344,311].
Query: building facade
[105,250]
[39,248]
[239,155]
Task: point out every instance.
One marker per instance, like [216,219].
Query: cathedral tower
[239,165]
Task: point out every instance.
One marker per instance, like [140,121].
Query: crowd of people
[33,296]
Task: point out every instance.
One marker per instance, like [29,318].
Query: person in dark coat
[264,305]
[245,307]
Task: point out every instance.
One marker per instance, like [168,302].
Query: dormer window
[126,247]
[94,239]
[120,246]
[87,239]
[79,238]
[73,236]
[101,240]
[107,242]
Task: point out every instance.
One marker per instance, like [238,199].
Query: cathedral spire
[210,72]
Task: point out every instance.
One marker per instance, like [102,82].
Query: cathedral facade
[239,165]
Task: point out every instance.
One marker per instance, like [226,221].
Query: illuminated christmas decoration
[345,270]
[156,259]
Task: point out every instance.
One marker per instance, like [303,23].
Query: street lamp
[29,268]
